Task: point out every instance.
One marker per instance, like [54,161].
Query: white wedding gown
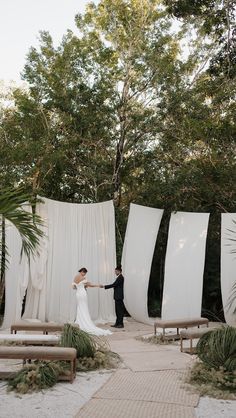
[83,318]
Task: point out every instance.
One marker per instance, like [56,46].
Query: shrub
[84,343]
[216,383]
[36,376]
[217,349]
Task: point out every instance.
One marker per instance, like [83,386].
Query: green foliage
[12,203]
[217,349]
[84,343]
[34,377]
[210,382]
[125,111]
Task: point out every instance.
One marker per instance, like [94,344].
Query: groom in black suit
[118,286]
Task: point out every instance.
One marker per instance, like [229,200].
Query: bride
[83,318]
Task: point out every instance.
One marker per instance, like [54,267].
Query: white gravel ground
[215,408]
[64,400]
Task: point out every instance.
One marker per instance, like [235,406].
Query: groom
[118,286]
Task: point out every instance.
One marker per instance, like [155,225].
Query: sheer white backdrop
[79,235]
[228,265]
[76,235]
[140,239]
[184,266]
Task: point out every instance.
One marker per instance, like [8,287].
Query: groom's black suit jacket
[118,286]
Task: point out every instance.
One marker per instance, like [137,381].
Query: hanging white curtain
[16,275]
[228,266]
[184,265]
[78,235]
[35,306]
[140,239]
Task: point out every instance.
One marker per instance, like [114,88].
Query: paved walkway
[149,383]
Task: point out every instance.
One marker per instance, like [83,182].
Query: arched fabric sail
[184,266]
[140,239]
[228,266]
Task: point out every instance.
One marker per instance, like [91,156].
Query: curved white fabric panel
[140,239]
[184,266]
[16,275]
[79,235]
[228,265]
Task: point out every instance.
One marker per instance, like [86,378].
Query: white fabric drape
[78,235]
[140,238]
[184,266]
[16,275]
[36,293]
[228,265]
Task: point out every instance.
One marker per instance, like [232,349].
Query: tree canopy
[137,106]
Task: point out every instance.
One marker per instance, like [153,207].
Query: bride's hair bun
[83,270]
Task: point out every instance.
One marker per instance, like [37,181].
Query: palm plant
[84,343]
[12,203]
[217,348]
[28,225]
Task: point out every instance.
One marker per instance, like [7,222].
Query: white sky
[20,23]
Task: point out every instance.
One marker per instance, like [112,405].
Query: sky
[20,23]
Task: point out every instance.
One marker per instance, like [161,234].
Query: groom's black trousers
[119,308]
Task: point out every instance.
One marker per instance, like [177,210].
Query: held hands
[73,285]
[101,286]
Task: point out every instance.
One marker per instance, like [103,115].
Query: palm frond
[12,208]
[217,348]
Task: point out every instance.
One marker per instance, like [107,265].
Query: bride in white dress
[83,318]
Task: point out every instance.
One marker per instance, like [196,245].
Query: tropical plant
[12,203]
[217,348]
[84,343]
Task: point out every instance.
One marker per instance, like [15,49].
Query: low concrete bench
[179,323]
[30,339]
[191,334]
[45,327]
[42,353]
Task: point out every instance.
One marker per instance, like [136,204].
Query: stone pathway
[149,384]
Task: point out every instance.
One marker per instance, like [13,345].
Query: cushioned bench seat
[179,323]
[31,339]
[45,327]
[41,353]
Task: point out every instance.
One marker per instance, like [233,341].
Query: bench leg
[163,334]
[181,343]
[72,370]
[155,329]
[191,345]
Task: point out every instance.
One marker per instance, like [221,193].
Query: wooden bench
[179,323]
[45,327]
[42,353]
[191,334]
